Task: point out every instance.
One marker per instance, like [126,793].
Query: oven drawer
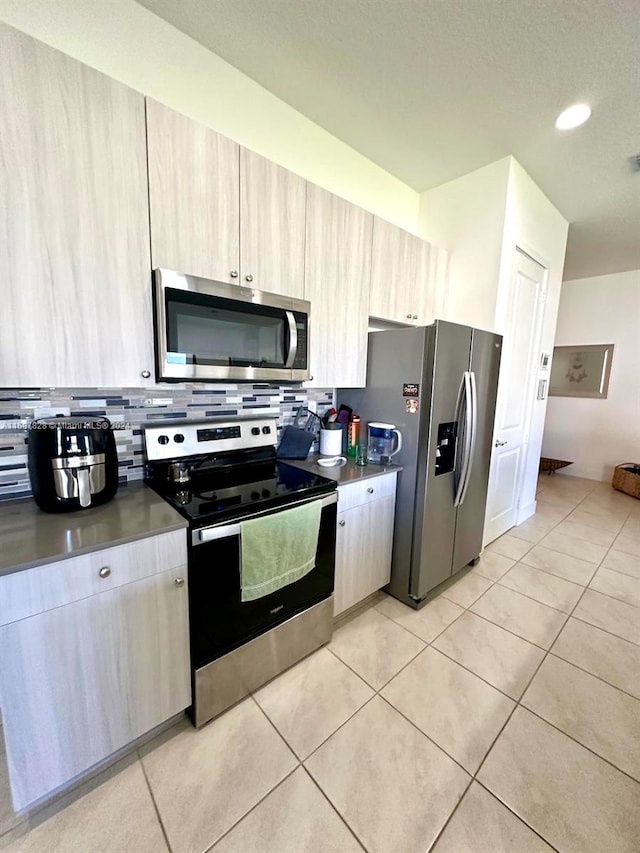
[42,588]
[365,491]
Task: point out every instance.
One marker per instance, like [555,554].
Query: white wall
[131,44]
[467,217]
[599,434]
[537,227]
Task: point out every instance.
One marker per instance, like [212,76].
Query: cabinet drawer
[36,590]
[365,491]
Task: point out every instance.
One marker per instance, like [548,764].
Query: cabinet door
[402,282]
[193,196]
[392,270]
[272,225]
[81,681]
[337,280]
[422,282]
[74,254]
[363,552]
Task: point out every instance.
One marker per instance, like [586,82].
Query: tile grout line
[153,800]
[531,598]
[514,709]
[618,571]
[520,705]
[574,739]
[560,577]
[613,597]
[253,808]
[599,627]
[592,674]
[342,819]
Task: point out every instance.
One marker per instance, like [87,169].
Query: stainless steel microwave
[207,331]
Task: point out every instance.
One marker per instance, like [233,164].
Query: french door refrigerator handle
[293,339]
[474,432]
[466,450]
[458,418]
[223,531]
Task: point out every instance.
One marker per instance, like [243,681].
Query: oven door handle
[293,339]
[210,534]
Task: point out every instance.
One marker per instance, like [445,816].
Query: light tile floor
[503,716]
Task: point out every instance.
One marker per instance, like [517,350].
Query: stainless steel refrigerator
[438,385]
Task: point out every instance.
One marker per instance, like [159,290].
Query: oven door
[219,620]
[208,330]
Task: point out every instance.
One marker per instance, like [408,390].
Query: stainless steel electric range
[218,474]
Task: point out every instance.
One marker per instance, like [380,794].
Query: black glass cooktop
[213,496]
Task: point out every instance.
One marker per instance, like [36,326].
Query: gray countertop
[349,473]
[30,537]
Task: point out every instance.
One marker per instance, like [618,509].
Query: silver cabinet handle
[311,379]
[415,317]
[145,374]
[501,443]
[370,490]
[342,523]
[179,581]
[409,316]
[233,274]
[104,572]
[248,277]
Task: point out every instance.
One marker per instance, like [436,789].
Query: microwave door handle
[293,339]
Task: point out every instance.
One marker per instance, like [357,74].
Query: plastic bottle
[353,435]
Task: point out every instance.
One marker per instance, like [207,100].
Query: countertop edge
[343,475]
[91,549]
[23,519]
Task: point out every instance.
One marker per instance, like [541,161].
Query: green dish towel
[278,549]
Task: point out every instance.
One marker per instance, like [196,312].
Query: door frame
[522,513]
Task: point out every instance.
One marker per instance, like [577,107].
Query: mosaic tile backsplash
[130,406]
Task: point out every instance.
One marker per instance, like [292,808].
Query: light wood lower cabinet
[80,681]
[363,544]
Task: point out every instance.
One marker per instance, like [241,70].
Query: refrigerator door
[435,514]
[395,359]
[485,364]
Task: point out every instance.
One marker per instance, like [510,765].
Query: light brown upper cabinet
[221,211]
[401,286]
[74,254]
[272,224]
[194,179]
[337,277]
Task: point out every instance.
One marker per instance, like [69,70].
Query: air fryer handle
[84,487]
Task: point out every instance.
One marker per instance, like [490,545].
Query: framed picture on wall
[581,371]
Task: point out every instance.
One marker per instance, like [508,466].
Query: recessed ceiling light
[573,116]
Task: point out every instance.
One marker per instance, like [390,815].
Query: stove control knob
[255,430]
[266,430]
[163,439]
[178,438]
[255,496]
[266,493]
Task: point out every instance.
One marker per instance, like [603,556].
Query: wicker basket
[626,478]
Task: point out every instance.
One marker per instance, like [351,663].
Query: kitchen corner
[347,472]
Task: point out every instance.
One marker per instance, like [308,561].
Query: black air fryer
[73,463]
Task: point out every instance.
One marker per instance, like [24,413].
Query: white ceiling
[433,89]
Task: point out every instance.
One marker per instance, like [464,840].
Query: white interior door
[516,391]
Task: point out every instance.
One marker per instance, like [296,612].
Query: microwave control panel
[300,361]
